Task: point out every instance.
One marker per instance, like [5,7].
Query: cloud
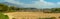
[14,2]
[58,3]
[45,4]
[36,4]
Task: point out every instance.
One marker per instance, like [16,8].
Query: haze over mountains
[20,6]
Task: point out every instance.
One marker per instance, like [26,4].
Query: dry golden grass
[31,15]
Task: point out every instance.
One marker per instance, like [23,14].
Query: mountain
[11,4]
[18,6]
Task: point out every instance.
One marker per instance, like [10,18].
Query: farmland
[31,15]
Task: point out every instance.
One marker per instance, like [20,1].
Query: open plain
[31,15]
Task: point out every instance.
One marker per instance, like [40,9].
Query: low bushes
[3,16]
[48,18]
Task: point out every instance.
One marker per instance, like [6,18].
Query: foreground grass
[2,16]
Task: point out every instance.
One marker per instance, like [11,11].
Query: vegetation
[13,18]
[48,18]
[52,10]
[57,10]
[3,7]
[6,8]
[3,16]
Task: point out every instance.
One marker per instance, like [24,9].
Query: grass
[2,16]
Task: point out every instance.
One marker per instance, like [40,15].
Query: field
[31,15]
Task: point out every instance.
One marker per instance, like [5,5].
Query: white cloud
[14,2]
[37,4]
[58,3]
[46,3]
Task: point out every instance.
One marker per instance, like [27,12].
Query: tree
[3,7]
[55,10]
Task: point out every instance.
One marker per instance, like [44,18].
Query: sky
[35,3]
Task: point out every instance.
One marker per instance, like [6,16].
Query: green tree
[12,8]
[3,7]
[55,9]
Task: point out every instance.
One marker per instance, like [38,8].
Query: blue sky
[54,1]
[26,1]
[30,1]
[35,3]
[1,0]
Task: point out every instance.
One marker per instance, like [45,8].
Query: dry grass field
[31,15]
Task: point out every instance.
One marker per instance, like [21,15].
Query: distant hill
[11,4]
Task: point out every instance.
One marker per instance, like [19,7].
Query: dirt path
[31,15]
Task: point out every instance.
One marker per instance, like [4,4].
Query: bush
[3,16]
[13,18]
[48,18]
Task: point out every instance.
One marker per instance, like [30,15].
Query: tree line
[52,10]
[7,8]
[4,8]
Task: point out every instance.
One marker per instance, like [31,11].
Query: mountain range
[11,4]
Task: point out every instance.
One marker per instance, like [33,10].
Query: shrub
[48,18]
[3,16]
